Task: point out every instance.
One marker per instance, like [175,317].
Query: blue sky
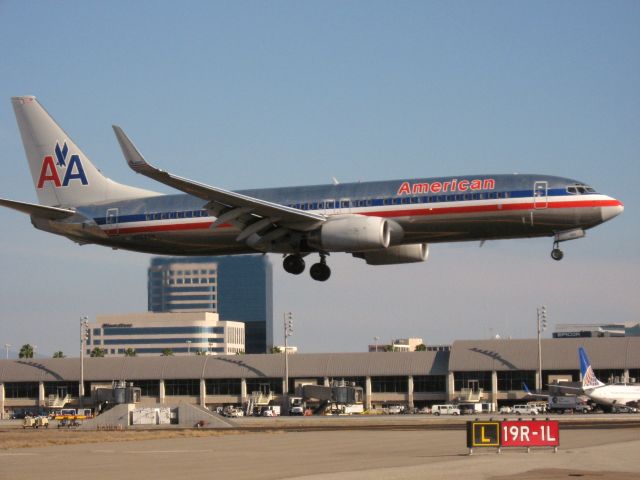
[252,94]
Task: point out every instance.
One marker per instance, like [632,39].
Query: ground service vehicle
[525,410]
[446,409]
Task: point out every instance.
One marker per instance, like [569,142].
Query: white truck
[446,409]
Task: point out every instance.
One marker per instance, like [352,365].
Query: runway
[330,454]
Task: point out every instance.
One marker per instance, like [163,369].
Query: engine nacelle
[394,255]
[351,233]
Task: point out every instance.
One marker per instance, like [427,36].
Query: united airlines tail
[589,379]
[62,174]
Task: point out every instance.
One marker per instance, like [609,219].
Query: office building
[397,345]
[155,333]
[238,288]
[585,330]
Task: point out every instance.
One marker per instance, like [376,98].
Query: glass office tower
[238,288]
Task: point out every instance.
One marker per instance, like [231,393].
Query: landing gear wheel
[557,254]
[320,272]
[293,264]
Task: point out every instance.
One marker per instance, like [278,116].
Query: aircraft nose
[611,211]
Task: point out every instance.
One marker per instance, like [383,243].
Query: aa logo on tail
[52,170]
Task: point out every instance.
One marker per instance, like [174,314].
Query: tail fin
[526,389]
[589,379]
[62,174]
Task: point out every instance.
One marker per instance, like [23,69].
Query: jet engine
[414,253]
[351,233]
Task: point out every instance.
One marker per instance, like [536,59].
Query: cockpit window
[579,189]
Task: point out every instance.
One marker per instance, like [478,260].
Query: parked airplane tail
[62,174]
[589,379]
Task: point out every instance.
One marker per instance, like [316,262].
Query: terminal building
[488,371]
[158,333]
[238,288]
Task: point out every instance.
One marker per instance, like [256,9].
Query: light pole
[375,342]
[542,325]
[188,347]
[6,349]
[34,349]
[288,331]
[84,331]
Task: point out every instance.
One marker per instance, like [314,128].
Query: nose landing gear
[563,236]
[556,253]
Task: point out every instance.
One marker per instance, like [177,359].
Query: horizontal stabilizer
[40,211]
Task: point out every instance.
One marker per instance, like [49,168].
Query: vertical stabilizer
[589,379]
[62,174]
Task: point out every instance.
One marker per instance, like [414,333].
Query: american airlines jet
[383,222]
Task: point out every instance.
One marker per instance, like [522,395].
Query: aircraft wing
[227,205]
[40,211]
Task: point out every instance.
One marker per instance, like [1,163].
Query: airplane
[381,222]
[612,395]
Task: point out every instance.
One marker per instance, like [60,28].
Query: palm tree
[276,350]
[59,354]
[26,351]
[97,352]
[130,352]
[421,348]
[167,352]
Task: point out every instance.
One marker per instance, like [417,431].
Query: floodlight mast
[84,332]
[288,331]
[542,326]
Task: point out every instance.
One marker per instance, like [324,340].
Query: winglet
[526,389]
[134,158]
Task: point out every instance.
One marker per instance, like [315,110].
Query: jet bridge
[338,397]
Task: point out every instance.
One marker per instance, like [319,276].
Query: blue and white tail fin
[589,379]
[62,174]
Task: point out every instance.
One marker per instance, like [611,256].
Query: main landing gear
[320,271]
